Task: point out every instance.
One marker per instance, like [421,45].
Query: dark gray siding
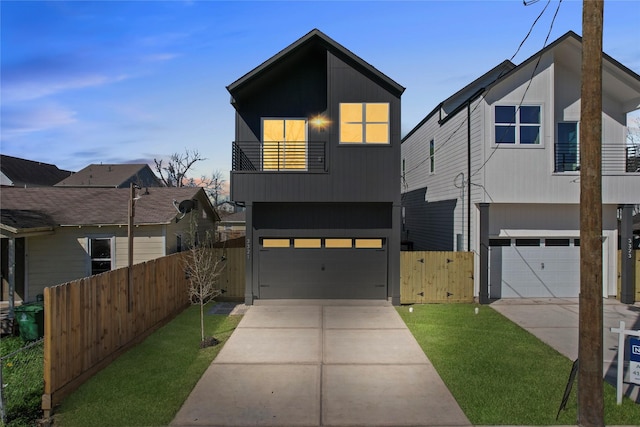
[429,225]
[354,173]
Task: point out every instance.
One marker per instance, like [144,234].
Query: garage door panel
[534,271]
[323,273]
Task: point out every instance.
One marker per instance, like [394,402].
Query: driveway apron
[321,363]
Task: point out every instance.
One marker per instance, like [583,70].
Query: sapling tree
[203,267]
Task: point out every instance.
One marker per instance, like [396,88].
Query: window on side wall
[518,126]
[432,156]
[100,254]
[364,123]
[567,148]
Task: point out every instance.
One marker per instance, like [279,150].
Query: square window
[364,123]
[518,125]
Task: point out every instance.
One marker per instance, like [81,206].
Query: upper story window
[284,144]
[567,148]
[101,254]
[432,156]
[364,123]
[518,125]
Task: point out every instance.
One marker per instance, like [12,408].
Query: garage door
[322,268]
[534,268]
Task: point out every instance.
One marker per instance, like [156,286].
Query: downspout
[469,175]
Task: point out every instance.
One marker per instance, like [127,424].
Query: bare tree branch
[203,265]
[174,172]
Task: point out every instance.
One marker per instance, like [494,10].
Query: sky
[132,81]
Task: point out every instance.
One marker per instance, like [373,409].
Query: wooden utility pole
[590,345]
[132,214]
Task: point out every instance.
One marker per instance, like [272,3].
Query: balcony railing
[279,156]
[615,158]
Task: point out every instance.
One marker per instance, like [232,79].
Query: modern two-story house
[495,169]
[316,163]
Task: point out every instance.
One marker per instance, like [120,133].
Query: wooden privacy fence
[436,277]
[88,322]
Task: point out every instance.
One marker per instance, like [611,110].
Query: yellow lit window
[306,243]
[364,123]
[275,243]
[369,243]
[338,243]
[284,144]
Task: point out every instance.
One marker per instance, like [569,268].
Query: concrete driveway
[555,322]
[321,363]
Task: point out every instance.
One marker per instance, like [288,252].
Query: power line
[483,96]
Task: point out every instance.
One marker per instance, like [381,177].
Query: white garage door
[534,268]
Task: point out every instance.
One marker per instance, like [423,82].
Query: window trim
[517,125]
[364,125]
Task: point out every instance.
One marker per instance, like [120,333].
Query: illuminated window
[275,243]
[364,123]
[284,144]
[338,243]
[369,243]
[307,243]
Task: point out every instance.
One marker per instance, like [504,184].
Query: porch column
[248,267]
[627,285]
[483,294]
[11,258]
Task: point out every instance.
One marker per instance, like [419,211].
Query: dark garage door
[323,272]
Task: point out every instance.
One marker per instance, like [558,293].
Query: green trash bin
[30,318]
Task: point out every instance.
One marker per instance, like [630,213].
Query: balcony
[615,158]
[279,156]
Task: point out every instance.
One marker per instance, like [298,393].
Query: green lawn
[147,385]
[498,372]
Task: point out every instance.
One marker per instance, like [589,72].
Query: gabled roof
[617,78]
[317,37]
[30,173]
[452,104]
[29,208]
[111,175]
[628,93]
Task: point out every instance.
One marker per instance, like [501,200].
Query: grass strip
[147,385]
[498,372]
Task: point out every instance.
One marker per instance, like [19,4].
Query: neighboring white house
[499,161]
[62,234]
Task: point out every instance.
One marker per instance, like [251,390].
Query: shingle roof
[93,206]
[107,175]
[23,172]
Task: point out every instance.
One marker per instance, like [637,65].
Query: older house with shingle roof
[113,176]
[62,234]
[16,172]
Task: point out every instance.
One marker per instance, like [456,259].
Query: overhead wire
[484,95]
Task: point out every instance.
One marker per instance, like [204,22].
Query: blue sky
[129,81]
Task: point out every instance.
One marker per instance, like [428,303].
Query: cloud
[20,120]
[157,57]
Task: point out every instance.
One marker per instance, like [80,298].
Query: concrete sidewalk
[555,322]
[321,363]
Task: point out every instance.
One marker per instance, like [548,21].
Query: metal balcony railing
[279,156]
[615,158]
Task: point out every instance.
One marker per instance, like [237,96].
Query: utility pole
[590,345]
